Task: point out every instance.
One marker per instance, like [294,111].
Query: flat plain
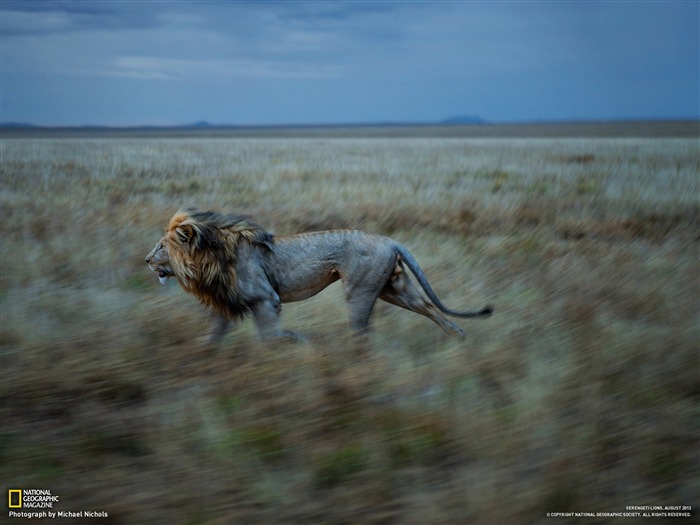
[580,393]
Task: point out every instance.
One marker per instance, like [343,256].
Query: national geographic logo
[31,499]
[36,504]
[14,498]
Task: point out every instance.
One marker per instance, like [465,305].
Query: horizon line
[448,122]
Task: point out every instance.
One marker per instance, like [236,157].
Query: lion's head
[159,261]
[200,249]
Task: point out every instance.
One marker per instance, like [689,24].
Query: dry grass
[579,394]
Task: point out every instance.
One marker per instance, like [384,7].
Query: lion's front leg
[219,327]
[266,315]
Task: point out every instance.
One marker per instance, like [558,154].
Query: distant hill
[203,124]
[458,126]
[199,125]
[463,119]
[16,125]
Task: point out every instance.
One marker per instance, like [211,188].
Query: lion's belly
[306,264]
[302,284]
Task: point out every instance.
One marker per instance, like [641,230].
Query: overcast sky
[159,62]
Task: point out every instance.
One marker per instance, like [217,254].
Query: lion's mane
[203,248]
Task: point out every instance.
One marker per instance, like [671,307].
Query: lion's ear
[185,233]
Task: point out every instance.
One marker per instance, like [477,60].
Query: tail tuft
[486,311]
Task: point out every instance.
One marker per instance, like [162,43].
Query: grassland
[580,394]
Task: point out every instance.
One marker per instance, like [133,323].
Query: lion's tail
[423,281]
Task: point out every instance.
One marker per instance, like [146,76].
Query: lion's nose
[148,259]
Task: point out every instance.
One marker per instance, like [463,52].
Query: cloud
[158,68]
[22,22]
[41,16]
[396,60]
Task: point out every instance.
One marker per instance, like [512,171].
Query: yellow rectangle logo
[17,498]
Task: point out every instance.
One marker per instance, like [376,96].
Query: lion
[237,269]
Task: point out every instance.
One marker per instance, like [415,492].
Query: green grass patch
[333,468]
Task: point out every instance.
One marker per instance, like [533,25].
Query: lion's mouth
[163,275]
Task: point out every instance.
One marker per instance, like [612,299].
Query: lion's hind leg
[401,292]
[361,292]
[360,304]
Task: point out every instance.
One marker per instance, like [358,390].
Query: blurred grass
[579,394]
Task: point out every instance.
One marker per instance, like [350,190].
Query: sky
[148,62]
